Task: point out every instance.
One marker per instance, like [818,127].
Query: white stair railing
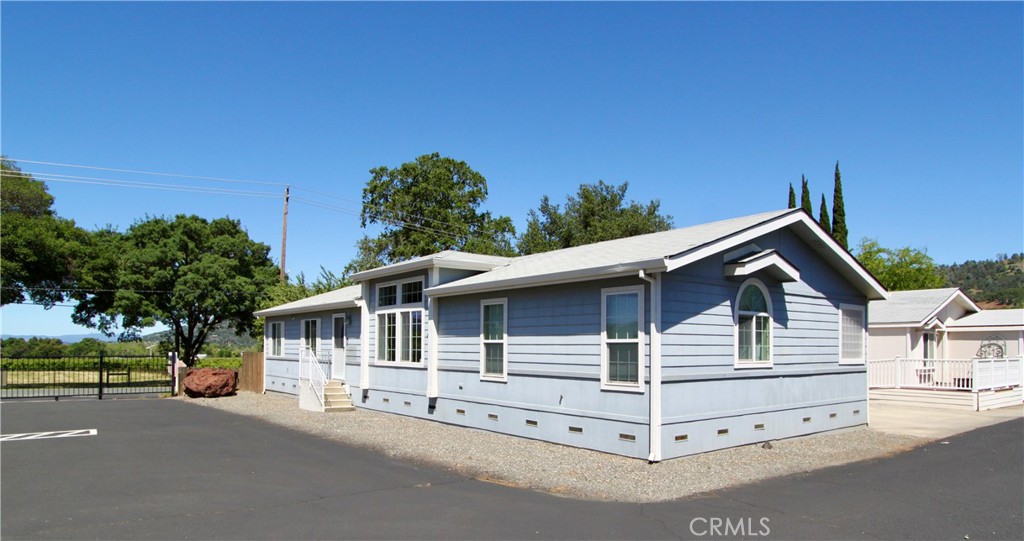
[310,370]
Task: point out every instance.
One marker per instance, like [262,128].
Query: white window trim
[398,294]
[737,363]
[302,337]
[399,333]
[863,338]
[640,339]
[269,346]
[503,377]
[344,337]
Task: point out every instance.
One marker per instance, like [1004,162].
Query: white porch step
[337,397]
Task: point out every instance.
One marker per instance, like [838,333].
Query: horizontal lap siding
[554,356]
[704,393]
[282,372]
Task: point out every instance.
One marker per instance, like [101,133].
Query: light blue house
[655,346]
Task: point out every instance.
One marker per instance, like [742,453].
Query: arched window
[753,317]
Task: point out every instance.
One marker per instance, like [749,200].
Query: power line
[393,221]
[71,179]
[394,217]
[176,175]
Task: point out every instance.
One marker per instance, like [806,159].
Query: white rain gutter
[655,416]
[364,339]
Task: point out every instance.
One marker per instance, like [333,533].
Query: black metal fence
[84,376]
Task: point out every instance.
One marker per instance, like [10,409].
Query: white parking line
[47,435]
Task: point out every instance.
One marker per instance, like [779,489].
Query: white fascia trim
[908,325]
[579,275]
[873,289]
[428,262]
[782,268]
[985,328]
[956,295]
[272,312]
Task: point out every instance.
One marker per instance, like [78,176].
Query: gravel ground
[562,470]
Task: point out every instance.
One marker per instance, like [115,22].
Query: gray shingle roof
[339,298]
[908,306]
[623,254]
[992,318]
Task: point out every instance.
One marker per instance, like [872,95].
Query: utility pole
[284,230]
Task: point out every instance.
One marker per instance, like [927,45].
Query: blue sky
[712,108]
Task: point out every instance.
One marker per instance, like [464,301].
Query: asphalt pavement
[165,469]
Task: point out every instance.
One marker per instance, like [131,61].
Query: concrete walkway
[935,423]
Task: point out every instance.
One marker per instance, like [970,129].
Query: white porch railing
[310,370]
[944,374]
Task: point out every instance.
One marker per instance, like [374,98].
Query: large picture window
[622,338]
[753,317]
[276,335]
[851,319]
[494,339]
[400,321]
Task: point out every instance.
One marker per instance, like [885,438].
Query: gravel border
[562,470]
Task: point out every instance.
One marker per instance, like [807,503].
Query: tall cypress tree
[839,232]
[792,197]
[823,216]
[805,197]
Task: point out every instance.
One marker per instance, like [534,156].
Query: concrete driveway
[162,469]
[935,423]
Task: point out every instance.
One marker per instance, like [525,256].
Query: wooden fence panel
[250,374]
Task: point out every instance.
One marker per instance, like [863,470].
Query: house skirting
[960,400]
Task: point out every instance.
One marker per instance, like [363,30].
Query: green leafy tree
[38,249]
[839,231]
[899,269]
[189,274]
[792,197]
[596,213]
[823,216]
[426,206]
[805,196]
[285,291]
[13,347]
[85,347]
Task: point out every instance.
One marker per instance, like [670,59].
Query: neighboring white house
[654,346]
[928,340]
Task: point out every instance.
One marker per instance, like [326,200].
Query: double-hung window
[400,321]
[622,338]
[494,339]
[753,325]
[276,338]
[851,320]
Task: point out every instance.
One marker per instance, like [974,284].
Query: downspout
[655,397]
[435,278]
[364,339]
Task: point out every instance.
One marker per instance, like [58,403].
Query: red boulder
[210,382]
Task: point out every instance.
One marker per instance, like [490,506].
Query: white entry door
[338,349]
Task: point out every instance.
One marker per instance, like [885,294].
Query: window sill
[626,388]
[399,364]
[851,361]
[494,378]
[753,365]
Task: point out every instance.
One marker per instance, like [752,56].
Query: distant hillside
[222,336]
[992,283]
